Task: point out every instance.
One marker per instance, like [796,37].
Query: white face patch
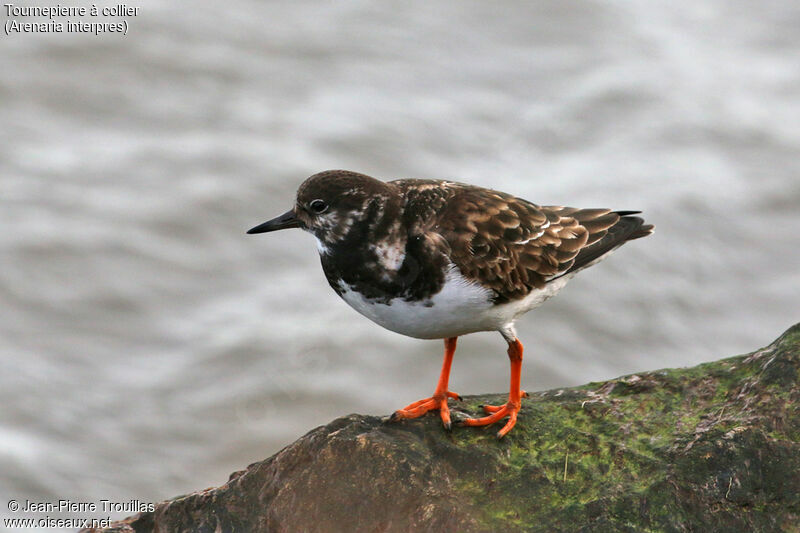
[330,221]
[331,227]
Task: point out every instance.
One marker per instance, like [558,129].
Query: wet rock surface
[714,447]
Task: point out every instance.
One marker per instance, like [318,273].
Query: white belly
[461,307]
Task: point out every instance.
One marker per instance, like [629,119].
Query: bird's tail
[614,234]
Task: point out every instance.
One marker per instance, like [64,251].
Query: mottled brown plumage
[508,244]
[440,259]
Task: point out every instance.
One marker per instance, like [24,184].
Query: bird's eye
[318,206]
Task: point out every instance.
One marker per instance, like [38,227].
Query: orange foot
[434,403]
[497,413]
[515,395]
[440,395]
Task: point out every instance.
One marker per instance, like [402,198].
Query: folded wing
[513,246]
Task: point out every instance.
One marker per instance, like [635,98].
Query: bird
[438,259]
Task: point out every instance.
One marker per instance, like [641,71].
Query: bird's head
[328,205]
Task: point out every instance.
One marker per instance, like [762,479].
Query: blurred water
[148,347]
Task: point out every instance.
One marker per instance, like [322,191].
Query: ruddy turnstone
[438,259]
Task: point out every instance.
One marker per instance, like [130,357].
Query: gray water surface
[148,347]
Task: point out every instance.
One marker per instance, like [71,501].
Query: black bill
[286,220]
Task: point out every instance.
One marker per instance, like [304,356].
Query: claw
[489,409]
[497,413]
[420,407]
[512,419]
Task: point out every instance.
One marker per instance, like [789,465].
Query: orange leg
[515,395]
[439,399]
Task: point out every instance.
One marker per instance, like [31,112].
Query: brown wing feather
[507,244]
[625,228]
[513,246]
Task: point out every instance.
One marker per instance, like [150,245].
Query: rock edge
[714,447]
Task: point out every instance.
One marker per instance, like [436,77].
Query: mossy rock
[710,448]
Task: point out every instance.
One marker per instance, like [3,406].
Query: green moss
[647,452]
[711,448]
